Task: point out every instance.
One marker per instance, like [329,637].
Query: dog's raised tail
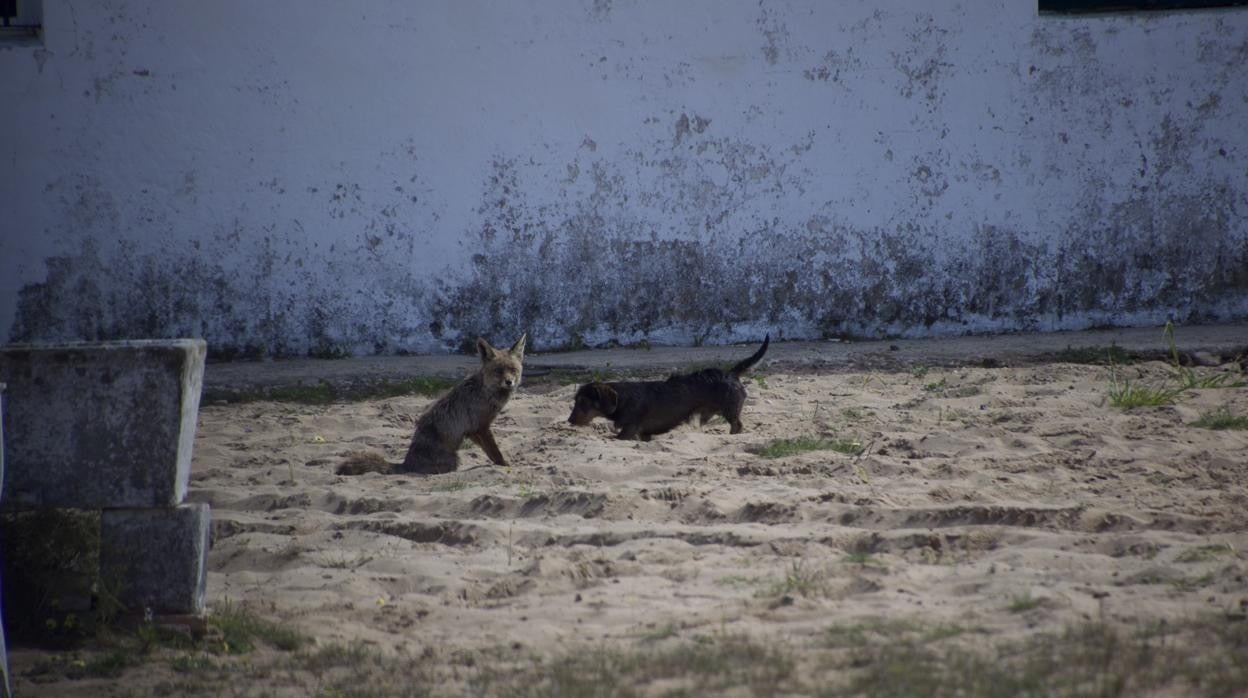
[364,462]
[747,364]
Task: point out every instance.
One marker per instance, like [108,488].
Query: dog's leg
[731,408]
[705,416]
[485,440]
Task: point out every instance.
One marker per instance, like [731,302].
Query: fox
[467,410]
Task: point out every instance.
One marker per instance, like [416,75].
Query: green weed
[1204,553]
[1089,660]
[1023,602]
[1221,418]
[861,558]
[783,448]
[708,665]
[936,386]
[1127,395]
[241,629]
[800,581]
[1191,379]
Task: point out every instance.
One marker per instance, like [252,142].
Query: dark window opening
[1083,6]
[20,20]
[8,12]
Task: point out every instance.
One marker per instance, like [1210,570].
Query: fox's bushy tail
[365,462]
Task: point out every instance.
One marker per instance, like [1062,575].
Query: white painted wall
[286,177]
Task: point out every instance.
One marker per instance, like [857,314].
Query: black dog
[641,409]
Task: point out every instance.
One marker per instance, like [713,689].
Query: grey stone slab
[4,652]
[156,559]
[98,425]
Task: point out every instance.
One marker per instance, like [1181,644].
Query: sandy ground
[977,487]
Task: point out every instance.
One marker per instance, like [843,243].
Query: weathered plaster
[285,178]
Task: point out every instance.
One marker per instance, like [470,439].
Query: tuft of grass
[341,561]
[877,629]
[1221,418]
[106,665]
[1093,659]
[738,580]
[783,448]
[1127,395]
[852,414]
[192,663]
[662,632]
[867,630]
[1021,603]
[707,665]
[936,386]
[1191,379]
[800,581]
[241,629]
[1204,553]
[335,655]
[861,558]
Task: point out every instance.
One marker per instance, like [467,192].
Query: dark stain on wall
[595,272]
[130,294]
[593,277]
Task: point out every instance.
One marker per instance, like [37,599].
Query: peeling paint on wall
[621,172]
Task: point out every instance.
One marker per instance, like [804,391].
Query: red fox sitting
[466,411]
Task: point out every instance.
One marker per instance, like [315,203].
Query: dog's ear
[485,350]
[517,349]
[608,399]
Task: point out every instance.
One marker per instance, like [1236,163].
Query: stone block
[156,559]
[98,425]
[4,652]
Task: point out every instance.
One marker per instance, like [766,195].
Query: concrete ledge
[100,425]
[156,559]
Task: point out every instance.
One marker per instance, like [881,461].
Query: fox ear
[484,350]
[608,399]
[517,349]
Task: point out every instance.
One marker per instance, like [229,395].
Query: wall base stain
[580,284]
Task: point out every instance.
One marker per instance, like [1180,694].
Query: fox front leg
[485,440]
